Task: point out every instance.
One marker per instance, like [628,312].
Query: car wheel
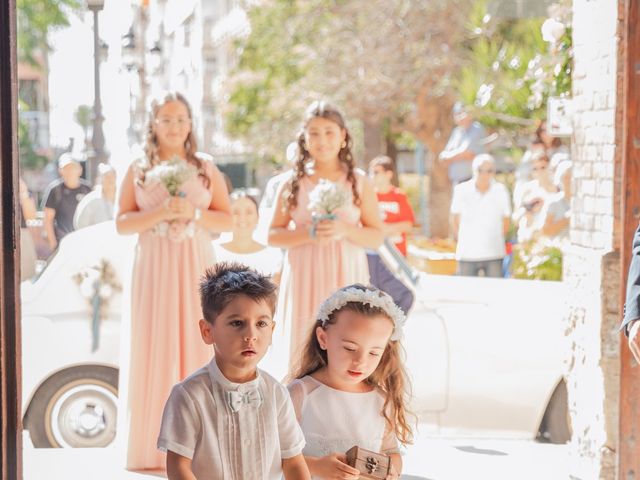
[555,425]
[74,408]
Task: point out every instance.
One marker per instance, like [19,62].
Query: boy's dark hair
[382,161]
[226,281]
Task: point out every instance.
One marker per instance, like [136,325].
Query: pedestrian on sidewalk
[62,198]
[465,142]
[480,211]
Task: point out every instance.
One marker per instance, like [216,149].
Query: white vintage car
[485,355]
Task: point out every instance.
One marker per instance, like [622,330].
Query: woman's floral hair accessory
[374,298]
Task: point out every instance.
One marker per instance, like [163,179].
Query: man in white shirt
[480,212]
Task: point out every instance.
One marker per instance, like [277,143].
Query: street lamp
[97,138]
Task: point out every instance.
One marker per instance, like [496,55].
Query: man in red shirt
[395,209]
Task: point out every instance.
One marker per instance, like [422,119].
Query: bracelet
[197,214]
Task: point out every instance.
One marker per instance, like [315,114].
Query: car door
[506,352]
[425,340]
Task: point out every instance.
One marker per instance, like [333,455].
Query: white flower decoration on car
[374,298]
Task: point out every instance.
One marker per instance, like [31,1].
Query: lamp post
[97,138]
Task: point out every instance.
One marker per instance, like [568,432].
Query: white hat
[66,159]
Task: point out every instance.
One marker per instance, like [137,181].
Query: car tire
[555,426]
[75,408]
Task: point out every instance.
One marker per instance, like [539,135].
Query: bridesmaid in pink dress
[332,255]
[174,247]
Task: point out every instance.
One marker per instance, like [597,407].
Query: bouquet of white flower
[172,173]
[326,198]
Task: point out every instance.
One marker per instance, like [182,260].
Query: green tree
[510,70]
[35,20]
[29,158]
[371,58]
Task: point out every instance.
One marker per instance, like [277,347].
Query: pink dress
[313,271]
[165,309]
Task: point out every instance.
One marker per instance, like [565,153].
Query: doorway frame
[629,416]
[10,351]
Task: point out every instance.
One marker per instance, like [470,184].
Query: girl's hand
[330,229]
[167,214]
[334,466]
[180,207]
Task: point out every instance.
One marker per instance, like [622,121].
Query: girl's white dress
[267,261]
[334,421]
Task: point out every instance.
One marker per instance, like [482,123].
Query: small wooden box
[371,464]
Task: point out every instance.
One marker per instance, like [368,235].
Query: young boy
[398,218]
[230,420]
[395,208]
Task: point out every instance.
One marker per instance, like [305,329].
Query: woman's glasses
[168,122]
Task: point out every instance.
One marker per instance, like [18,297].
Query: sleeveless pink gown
[313,271]
[165,309]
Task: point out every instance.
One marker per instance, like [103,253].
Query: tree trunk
[439,200]
[434,126]
[373,139]
[392,153]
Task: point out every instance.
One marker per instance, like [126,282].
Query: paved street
[429,459]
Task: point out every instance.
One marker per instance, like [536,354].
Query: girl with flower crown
[351,371]
[327,251]
[172,198]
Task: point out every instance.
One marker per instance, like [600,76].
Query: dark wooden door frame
[629,440]
[10,387]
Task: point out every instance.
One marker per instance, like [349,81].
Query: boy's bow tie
[237,400]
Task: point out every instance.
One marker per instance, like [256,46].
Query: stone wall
[594,360]
[592,265]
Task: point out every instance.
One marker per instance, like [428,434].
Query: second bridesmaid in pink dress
[329,254]
[174,248]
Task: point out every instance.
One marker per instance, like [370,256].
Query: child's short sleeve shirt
[199,423]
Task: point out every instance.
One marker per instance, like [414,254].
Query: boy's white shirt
[198,423]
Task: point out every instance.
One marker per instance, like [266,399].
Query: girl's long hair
[390,375]
[321,109]
[151,141]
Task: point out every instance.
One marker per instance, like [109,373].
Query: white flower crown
[374,298]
